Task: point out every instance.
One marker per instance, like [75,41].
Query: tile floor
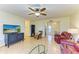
[24,47]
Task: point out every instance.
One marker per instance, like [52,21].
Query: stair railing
[38,47]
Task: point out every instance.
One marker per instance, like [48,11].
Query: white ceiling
[53,10]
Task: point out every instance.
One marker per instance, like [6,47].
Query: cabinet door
[20,36]
[12,38]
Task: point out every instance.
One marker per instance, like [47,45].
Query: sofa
[62,36]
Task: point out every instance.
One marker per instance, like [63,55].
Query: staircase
[39,49]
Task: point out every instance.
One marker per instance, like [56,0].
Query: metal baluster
[44,50]
[38,49]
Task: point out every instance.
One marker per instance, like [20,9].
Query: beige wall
[64,24]
[56,26]
[8,18]
[74,21]
[27,28]
[39,25]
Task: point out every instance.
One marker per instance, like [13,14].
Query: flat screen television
[11,28]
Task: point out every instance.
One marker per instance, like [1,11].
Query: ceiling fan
[37,11]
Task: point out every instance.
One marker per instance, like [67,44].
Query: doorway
[32,30]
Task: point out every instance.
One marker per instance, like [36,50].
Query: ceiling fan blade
[43,14]
[32,9]
[30,13]
[43,9]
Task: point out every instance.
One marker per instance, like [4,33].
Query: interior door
[32,30]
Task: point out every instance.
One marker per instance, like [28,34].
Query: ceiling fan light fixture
[37,14]
[38,11]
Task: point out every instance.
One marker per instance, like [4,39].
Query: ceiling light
[37,14]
